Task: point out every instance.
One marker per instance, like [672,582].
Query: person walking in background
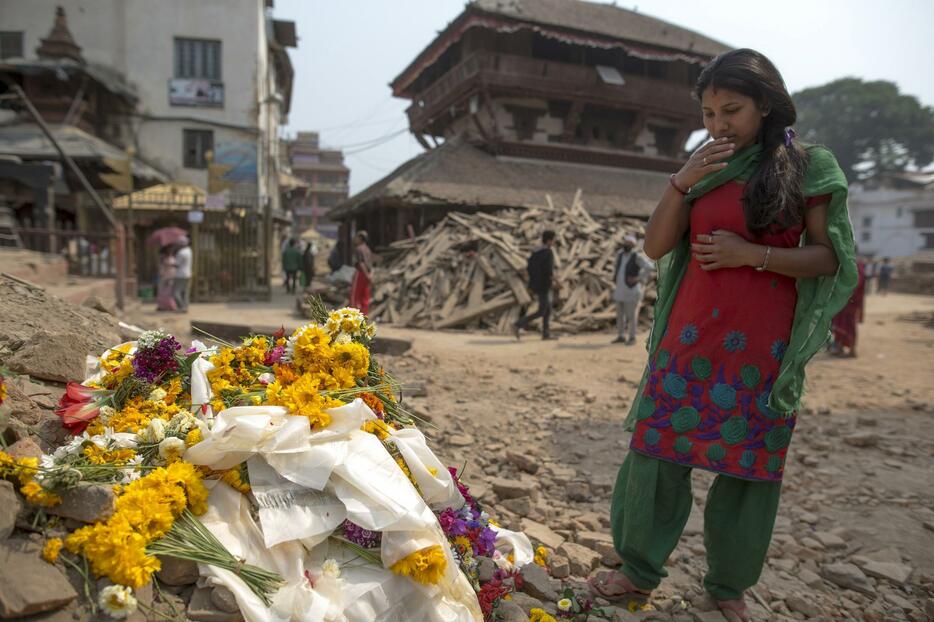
[183,265]
[165,295]
[885,275]
[360,286]
[629,289]
[541,269]
[291,264]
[845,323]
[872,274]
[308,263]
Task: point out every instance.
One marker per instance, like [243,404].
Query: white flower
[157,395]
[131,472]
[171,448]
[564,604]
[155,431]
[106,412]
[117,600]
[151,338]
[343,338]
[267,378]
[182,422]
[370,330]
[330,568]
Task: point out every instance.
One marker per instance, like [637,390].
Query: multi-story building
[211,75]
[328,181]
[210,78]
[515,100]
[893,215]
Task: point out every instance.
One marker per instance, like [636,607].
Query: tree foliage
[869,126]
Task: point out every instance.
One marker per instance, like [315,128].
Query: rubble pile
[468,271]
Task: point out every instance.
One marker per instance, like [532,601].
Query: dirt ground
[859,483]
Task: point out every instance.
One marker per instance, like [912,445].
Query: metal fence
[91,254]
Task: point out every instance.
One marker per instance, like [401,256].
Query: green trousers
[651,504]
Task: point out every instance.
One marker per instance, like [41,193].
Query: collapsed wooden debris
[469,270]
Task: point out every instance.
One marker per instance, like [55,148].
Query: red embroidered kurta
[706,400]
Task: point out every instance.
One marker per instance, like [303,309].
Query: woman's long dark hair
[774,195]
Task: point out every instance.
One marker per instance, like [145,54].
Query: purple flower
[360,536]
[154,360]
[485,543]
[274,355]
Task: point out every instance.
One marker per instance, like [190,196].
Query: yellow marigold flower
[7,465]
[3,392]
[232,477]
[193,437]
[462,543]
[376,427]
[541,556]
[540,615]
[37,495]
[51,549]
[353,357]
[426,566]
[284,373]
[100,455]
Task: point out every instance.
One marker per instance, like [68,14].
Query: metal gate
[231,255]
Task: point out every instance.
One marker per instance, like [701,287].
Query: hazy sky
[350,50]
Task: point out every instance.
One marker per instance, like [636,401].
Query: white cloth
[183,261]
[624,292]
[305,486]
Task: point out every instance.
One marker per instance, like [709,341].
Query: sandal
[734,610]
[602,585]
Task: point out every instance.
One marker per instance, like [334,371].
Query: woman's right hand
[708,159]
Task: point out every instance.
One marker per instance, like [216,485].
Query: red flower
[78,407]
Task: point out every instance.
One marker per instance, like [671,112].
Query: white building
[894,217]
[211,75]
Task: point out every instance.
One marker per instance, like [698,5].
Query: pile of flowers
[134,419]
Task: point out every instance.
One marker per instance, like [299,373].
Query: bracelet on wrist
[765,260]
[674,184]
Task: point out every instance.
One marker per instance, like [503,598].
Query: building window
[928,241]
[866,236]
[196,144]
[898,212]
[11,45]
[924,218]
[198,59]
[867,221]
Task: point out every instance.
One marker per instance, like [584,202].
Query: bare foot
[734,610]
[615,586]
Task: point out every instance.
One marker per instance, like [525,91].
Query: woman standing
[362,277]
[742,306]
[165,298]
[845,324]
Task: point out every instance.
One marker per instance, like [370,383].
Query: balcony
[507,73]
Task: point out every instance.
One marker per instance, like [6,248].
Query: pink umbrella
[167,235]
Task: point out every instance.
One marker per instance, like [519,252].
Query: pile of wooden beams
[469,270]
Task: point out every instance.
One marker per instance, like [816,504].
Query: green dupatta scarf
[819,298]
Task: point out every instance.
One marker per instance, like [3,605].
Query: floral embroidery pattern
[689,335]
[695,413]
[735,341]
[778,349]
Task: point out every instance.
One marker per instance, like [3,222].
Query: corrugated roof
[458,174]
[604,19]
[27,141]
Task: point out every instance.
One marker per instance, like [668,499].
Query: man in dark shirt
[541,269]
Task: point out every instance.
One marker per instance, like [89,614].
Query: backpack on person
[538,268]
